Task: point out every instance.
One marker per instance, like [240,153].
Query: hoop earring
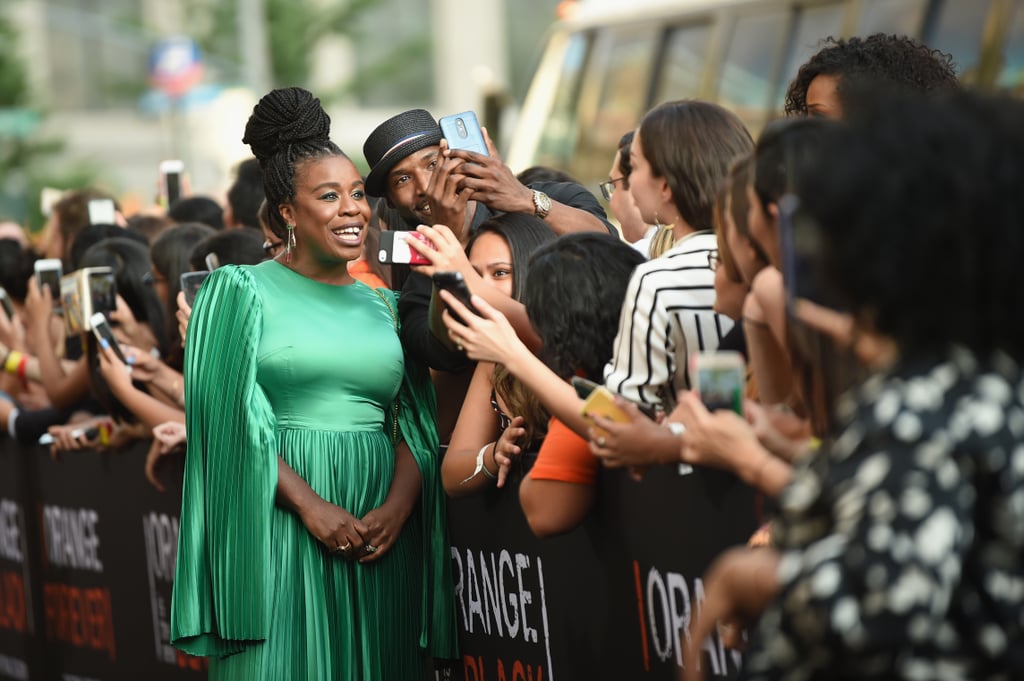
[289,243]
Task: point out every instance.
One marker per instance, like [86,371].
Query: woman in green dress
[312,541]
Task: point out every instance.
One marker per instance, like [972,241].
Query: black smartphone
[462,131]
[454,283]
[190,283]
[102,290]
[102,331]
[170,180]
[583,386]
[5,300]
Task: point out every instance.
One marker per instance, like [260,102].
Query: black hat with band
[393,140]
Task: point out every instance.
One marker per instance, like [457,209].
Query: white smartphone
[102,212]
[394,248]
[719,378]
[48,273]
[171,172]
[47,198]
[101,329]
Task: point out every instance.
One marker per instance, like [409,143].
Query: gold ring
[342,549]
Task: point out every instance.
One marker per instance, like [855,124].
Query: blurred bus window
[957,28]
[556,145]
[1011,76]
[892,16]
[813,25]
[682,64]
[614,95]
[750,65]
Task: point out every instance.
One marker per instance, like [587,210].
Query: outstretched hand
[445,255]
[638,442]
[485,337]
[492,182]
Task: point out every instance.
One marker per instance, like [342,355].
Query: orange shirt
[565,457]
[360,269]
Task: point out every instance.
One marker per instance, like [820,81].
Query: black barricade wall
[609,600]
[87,551]
[102,544]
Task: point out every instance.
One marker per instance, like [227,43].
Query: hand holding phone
[101,329]
[719,378]
[190,283]
[462,131]
[394,248]
[585,387]
[601,402]
[454,283]
[48,274]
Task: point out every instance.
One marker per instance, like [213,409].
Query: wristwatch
[541,204]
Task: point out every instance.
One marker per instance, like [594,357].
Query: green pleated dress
[277,363]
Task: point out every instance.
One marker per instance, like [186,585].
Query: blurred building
[87,63]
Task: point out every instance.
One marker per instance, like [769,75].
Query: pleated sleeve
[220,599]
[417,426]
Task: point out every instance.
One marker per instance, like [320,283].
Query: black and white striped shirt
[667,315]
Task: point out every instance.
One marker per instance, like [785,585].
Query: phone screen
[48,273]
[101,328]
[8,306]
[173,183]
[190,283]
[721,386]
[101,212]
[102,291]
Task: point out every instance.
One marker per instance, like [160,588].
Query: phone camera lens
[460,127]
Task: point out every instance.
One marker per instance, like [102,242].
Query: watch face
[542,203]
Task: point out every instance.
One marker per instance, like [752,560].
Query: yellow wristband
[12,362]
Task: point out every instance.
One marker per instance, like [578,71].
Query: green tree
[293,28]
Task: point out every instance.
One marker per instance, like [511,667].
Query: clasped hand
[365,539]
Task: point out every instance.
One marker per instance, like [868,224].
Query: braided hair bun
[287,126]
[290,116]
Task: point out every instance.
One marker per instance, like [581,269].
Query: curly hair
[574,293]
[891,61]
[287,128]
[920,223]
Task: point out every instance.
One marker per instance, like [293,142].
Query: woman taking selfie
[313,543]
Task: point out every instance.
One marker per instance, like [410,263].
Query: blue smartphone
[463,132]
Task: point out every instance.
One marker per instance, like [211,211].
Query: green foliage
[293,28]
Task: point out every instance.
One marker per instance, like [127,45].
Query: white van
[614,60]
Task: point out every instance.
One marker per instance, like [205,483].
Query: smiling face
[408,181]
[491,257]
[329,211]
